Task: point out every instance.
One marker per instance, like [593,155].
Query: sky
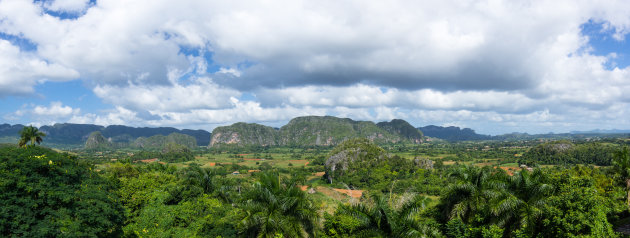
[493,66]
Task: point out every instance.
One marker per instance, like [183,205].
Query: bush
[48,194]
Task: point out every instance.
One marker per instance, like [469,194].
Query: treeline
[567,153]
[50,194]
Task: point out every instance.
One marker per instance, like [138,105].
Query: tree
[471,194]
[276,206]
[32,134]
[384,219]
[621,166]
[48,194]
[522,202]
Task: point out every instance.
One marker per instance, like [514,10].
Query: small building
[236,173]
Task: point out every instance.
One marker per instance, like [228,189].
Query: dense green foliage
[275,205]
[381,217]
[48,194]
[361,163]
[565,152]
[171,153]
[434,189]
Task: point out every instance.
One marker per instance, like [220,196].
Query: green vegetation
[356,189]
[359,163]
[315,131]
[48,194]
[158,142]
[96,141]
[566,152]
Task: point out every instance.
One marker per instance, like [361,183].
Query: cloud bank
[512,65]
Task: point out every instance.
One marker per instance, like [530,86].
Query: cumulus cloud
[200,93]
[44,115]
[185,63]
[20,71]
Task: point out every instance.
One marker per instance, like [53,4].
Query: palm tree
[471,193]
[276,206]
[521,203]
[621,166]
[32,134]
[384,219]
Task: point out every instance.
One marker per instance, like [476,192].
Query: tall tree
[32,134]
[522,202]
[621,166]
[470,194]
[276,206]
[383,218]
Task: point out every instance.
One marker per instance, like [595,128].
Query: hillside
[315,131]
[244,134]
[160,141]
[452,133]
[96,141]
[403,128]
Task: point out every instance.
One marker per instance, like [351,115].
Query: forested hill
[452,133]
[315,131]
[68,133]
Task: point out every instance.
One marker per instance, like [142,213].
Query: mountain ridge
[315,131]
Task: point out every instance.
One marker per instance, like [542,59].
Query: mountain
[452,133]
[403,128]
[160,141]
[96,141]
[328,130]
[244,134]
[202,137]
[69,133]
[10,130]
[315,131]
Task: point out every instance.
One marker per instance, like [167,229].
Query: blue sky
[494,66]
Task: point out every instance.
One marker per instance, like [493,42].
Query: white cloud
[55,110]
[200,93]
[20,71]
[458,61]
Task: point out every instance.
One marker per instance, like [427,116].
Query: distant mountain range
[68,133]
[452,133]
[300,131]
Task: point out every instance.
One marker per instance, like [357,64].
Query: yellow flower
[50,162]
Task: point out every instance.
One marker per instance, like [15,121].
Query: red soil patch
[149,160]
[211,164]
[253,170]
[351,193]
[299,161]
[303,188]
[509,170]
[484,164]
[319,174]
